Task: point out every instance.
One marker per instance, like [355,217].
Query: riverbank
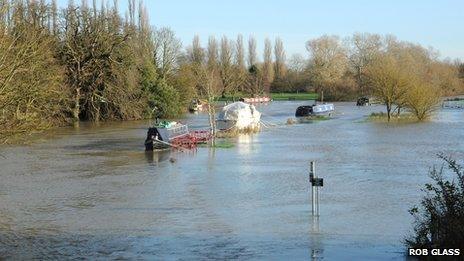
[281,96]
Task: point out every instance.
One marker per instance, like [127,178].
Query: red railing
[191,140]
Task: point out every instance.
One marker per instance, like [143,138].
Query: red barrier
[191,140]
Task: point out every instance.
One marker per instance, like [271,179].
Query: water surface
[93,192]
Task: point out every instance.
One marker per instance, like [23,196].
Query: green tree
[32,96]
[388,81]
[163,99]
[439,220]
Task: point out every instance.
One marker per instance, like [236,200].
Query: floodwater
[94,193]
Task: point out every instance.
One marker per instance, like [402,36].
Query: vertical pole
[317,201]
[312,176]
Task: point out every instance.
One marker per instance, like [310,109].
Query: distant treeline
[87,62]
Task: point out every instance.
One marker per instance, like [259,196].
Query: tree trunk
[360,85]
[212,124]
[77,106]
[388,112]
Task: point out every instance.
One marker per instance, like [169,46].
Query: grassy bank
[285,96]
[281,96]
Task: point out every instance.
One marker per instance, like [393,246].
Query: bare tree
[240,70]
[252,57]
[297,63]
[54,17]
[363,49]
[268,70]
[240,53]
[279,56]
[328,61]
[208,85]
[196,54]
[226,66]
[212,53]
[167,51]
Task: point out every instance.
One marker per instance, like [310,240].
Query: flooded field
[94,193]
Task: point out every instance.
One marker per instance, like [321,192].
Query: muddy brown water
[94,193]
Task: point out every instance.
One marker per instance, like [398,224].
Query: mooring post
[317,201]
[312,176]
[315,183]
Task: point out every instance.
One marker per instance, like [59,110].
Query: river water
[93,193]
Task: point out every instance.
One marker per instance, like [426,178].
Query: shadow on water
[156,157]
[108,144]
[89,247]
[316,247]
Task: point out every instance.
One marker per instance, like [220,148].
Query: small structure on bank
[239,116]
[256,100]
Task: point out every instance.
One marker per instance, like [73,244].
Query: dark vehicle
[363,101]
[303,111]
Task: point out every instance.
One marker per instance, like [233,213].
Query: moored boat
[315,110]
[163,134]
[238,116]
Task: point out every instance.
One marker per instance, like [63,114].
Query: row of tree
[238,70]
[82,62]
[399,74]
[343,67]
[87,62]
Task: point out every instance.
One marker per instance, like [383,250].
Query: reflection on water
[155,157]
[93,192]
[317,250]
[247,144]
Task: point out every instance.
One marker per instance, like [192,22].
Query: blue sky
[439,24]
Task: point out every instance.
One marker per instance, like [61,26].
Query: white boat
[315,110]
[238,116]
[161,135]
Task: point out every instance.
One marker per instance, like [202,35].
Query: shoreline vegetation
[82,62]
[279,96]
[298,96]
[405,117]
[439,217]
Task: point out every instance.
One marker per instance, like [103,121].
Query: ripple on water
[93,193]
